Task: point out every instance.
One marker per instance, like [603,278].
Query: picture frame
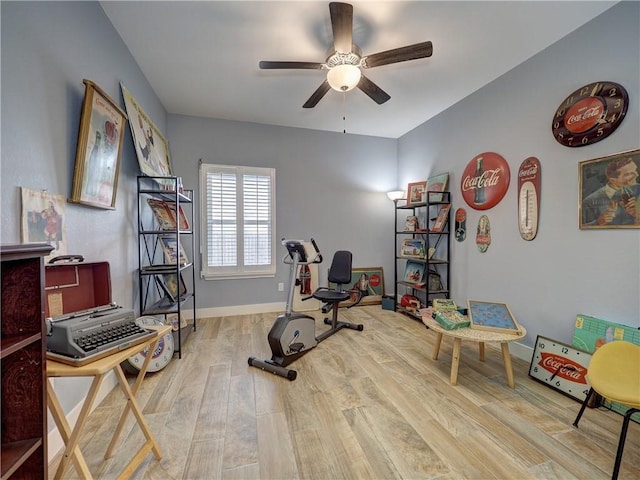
[184,223]
[170,247]
[173,286]
[437,183]
[492,316]
[99,150]
[152,148]
[412,248]
[44,220]
[416,193]
[369,281]
[441,219]
[414,272]
[609,192]
[164,216]
[561,366]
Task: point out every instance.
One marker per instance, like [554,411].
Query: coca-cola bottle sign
[485,180]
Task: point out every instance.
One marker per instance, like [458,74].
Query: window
[238,219]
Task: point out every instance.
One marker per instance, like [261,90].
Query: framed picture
[413,272]
[609,191]
[416,193]
[437,183]
[412,248]
[184,223]
[492,316]
[152,148]
[369,281]
[173,286]
[170,247]
[44,220]
[560,366]
[441,219]
[100,138]
[164,216]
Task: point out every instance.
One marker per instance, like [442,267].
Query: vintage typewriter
[87,336]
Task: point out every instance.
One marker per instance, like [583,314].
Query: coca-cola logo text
[584,115]
[563,367]
[528,172]
[485,180]
[488,179]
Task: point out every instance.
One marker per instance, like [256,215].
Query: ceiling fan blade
[373,91]
[317,95]
[267,65]
[342,26]
[402,54]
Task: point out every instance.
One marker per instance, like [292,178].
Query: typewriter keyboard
[109,335]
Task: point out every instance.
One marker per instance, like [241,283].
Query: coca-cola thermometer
[529,197]
[590,114]
[560,366]
[485,181]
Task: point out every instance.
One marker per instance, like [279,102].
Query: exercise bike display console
[294,334]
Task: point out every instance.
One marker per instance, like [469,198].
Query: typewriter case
[75,286]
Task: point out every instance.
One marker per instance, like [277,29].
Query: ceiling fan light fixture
[344,77]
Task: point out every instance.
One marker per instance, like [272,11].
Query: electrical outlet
[281,287]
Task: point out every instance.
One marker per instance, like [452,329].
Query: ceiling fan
[345,62]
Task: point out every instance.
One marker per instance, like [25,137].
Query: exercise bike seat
[339,274]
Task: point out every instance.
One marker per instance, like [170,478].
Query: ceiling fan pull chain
[344,112]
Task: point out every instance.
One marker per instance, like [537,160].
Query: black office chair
[339,275]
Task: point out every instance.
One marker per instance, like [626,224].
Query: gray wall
[329,186]
[563,271]
[48,48]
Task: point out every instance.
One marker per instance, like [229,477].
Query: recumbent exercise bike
[294,334]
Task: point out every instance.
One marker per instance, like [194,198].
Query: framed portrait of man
[609,191]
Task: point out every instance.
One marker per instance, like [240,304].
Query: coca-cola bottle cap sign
[485,181]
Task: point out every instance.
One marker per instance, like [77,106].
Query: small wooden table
[98,370]
[480,336]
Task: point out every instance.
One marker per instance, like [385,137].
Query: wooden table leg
[506,357]
[436,348]
[481,350]
[70,438]
[455,360]
[134,392]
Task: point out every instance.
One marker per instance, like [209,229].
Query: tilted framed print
[609,191]
[492,316]
[100,138]
[369,281]
[437,183]
[416,193]
[152,148]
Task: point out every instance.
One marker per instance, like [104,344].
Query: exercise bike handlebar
[296,247]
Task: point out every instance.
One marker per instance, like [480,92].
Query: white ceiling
[201,58]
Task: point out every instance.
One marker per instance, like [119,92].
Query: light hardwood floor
[365,405]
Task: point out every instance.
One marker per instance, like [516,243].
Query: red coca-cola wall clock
[590,114]
[485,181]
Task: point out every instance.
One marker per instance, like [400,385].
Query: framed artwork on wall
[100,138]
[609,191]
[152,148]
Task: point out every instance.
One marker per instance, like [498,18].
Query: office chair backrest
[340,270]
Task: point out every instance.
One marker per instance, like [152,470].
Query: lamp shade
[395,195]
[343,77]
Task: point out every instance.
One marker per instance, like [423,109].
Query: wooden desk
[98,370]
[480,336]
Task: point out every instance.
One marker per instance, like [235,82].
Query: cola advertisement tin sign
[485,181]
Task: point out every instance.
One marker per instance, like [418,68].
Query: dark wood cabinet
[22,353]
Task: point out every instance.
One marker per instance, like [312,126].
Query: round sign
[374,281]
[485,181]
